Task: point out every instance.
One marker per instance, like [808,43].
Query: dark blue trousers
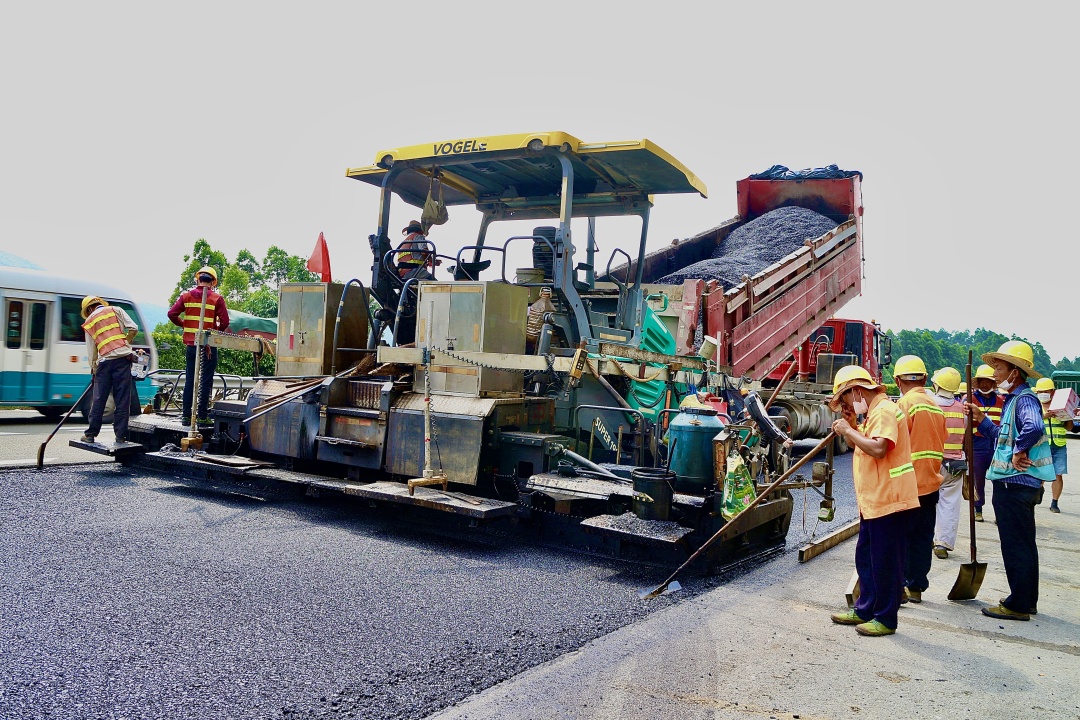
[1014,510]
[979,466]
[920,543]
[112,376]
[879,560]
[206,381]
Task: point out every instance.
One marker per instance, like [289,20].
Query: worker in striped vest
[185,312]
[1020,465]
[946,383]
[926,426]
[1055,431]
[986,397]
[886,492]
[109,332]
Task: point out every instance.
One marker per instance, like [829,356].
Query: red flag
[320,259]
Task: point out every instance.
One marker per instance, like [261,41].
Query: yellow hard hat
[88,303]
[984,371]
[848,377]
[1017,353]
[948,379]
[962,390]
[209,271]
[1044,383]
[909,365]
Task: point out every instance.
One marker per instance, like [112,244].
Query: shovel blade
[665,589]
[968,582]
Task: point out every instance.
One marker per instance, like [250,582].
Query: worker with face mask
[1020,465]
[985,395]
[926,426]
[887,494]
[946,383]
[1055,430]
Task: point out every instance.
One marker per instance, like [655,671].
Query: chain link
[468,361]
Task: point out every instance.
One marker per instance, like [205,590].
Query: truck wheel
[840,446]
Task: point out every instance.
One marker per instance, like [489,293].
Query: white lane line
[13,433]
[28,461]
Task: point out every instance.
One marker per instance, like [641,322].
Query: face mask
[1043,397]
[860,407]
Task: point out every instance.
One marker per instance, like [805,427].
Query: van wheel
[52,414]
[84,407]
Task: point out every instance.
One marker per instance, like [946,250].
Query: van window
[140,338]
[71,320]
[14,324]
[37,325]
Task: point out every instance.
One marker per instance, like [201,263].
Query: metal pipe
[400,307]
[778,388]
[337,320]
[585,462]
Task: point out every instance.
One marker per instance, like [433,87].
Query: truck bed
[759,322]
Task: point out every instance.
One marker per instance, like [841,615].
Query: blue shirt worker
[1020,465]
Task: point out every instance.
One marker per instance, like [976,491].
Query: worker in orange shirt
[926,426]
[886,492]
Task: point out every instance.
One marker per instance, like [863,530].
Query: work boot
[978,516]
[1054,507]
[1032,611]
[914,596]
[873,629]
[847,618]
[941,552]
[87,438]
[1001,612]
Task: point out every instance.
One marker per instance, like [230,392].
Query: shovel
[41,450]
[971,574]
[671,585]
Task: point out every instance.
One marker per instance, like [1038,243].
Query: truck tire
[840,446]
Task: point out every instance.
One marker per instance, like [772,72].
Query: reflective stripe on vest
[926,427]
[1042,463]
[103,326]
[993,410]
[901,469]
[923,407]
[191,314]
[414,258]
[1055,430]
[954,430]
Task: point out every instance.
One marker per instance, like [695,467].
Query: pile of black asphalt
[754,246]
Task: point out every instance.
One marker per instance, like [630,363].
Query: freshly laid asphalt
[130,595]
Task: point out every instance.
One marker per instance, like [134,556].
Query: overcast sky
[129,130]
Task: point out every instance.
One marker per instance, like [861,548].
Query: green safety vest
[1042,464]
[1055,430]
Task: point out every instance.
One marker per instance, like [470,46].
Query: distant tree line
[940,348]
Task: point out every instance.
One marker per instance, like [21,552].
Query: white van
[43,362]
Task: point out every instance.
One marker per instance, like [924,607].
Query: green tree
[247,285]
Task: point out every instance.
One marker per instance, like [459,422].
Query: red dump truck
[783,314]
